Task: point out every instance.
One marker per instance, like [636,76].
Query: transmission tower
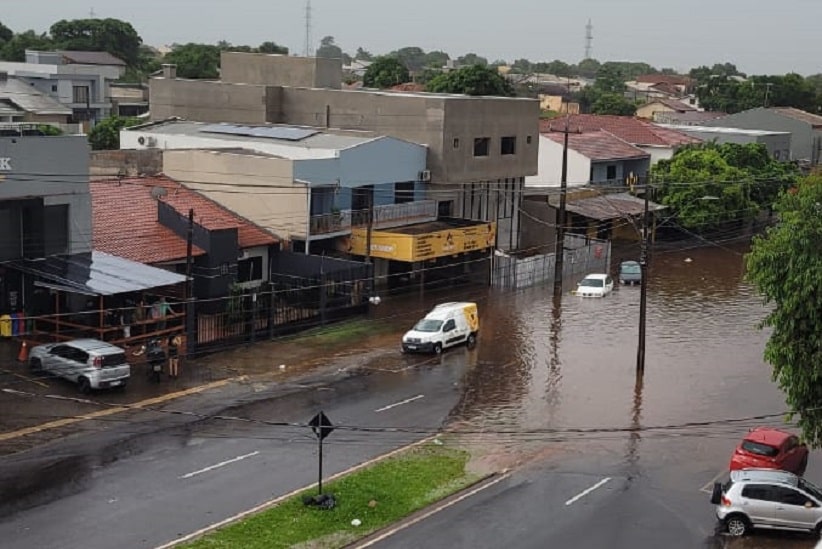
[589,39]
[308,50]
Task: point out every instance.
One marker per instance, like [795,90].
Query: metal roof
[27,98]
[611,206]
[96,273]
[289,133]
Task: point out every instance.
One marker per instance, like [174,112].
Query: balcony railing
[385,217]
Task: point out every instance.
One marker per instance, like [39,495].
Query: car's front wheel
[35,365]
[737,525]
[84,385]
[437,348]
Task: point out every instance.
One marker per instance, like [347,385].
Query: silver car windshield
[592,283]
[428,325]
[810,488]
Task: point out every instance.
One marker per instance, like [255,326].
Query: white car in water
[595,285]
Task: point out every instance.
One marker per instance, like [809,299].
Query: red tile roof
[670,79]
[633,130]
[125,219]
[599,145]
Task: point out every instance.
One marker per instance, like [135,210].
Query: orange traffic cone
[24,352]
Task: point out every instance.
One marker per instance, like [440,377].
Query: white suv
[767,498]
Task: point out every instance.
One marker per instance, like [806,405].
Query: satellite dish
[158,192]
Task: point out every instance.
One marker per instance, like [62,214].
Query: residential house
[54,284]
[649,87]
[660,143]
[805,129]
[594,157]
[608,216]
[20,102]
[557,103]
[654,107]
[777,143]
[76,79]
[479,149]
[128,99]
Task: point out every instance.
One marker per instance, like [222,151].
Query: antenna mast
[308,51]
[589,39]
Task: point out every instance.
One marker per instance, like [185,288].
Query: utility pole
[368,230]
[643,286]
[559,250]
[189,289]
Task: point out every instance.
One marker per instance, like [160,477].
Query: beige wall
[649,109]
[280,70]
[208,101]
[258,188]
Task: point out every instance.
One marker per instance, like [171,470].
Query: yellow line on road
[110,411]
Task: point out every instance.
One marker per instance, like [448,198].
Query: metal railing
[386,216]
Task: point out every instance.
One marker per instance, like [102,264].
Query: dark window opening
[403,192]
[444,208]
[528,140]
[508,145]
[610,172]
[456,142]
[80,94]
[249,270]
[56,237]
[482,145]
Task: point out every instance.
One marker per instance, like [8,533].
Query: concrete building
[77,80]
[777,143]
[805,129]
[479,148]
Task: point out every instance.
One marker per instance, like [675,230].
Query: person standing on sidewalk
[174,355]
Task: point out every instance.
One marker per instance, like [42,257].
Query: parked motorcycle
[156,358]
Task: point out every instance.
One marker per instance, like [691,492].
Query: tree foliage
[105,135]
[329,49]
[613,103]
[6,33]
[110,35]
[731,95]
[363,55]
[785,265]
[471,59]
[195,60]
[272,47]
[472,80]
[15,48]
[385,72]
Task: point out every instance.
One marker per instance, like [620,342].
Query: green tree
[436,59]
[384,72]
[558,68]
[613,103]
[105,135]
[472,80]
[522,66]
[610,79]
[6,34]
[785,265]
[587,68]
[363,55]
[412,57]
[329,49]
[15,49]
[111,35]
[272,47]
[195,60]
[704,190]
[471,59]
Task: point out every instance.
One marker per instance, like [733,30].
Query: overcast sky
[759,36]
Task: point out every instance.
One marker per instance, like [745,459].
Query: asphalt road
[215,469]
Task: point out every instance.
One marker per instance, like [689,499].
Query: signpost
[322,427]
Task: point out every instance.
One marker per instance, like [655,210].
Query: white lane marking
[400,403]
[218,465]
[709,486]
[433,511]
[587,491]
[279,499]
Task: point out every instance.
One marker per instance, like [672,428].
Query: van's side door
[451,334]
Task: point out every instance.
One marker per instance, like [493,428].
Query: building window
[456,142]
[610,172]
[80,94]
[528,140]
[56,233]
[482,145]
[54,87]
[508,145]
[403,192]
[249,270]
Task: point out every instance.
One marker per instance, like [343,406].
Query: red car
[769,448]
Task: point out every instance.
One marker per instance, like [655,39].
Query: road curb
[475,487]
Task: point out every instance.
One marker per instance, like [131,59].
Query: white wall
[549,171]
[658,153]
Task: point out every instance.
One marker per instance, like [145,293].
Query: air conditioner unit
[425,175]
[147,141]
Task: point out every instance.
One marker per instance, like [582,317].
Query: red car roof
[769,436]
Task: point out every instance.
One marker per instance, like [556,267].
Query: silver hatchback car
[90,363]
[767,498]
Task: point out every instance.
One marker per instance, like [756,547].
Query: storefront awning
[95,273]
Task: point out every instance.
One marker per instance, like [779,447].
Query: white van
[448,324]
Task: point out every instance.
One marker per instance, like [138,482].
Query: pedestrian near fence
[174,343]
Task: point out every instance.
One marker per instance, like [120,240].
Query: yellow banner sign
[419,247]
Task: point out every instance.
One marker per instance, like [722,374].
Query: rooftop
[126,223]
[610,206]
[599,145]
[719,129]
[632,130]
[678,106]
[91,58]
[28,99]
[294,142]
[803,116]
[688,117]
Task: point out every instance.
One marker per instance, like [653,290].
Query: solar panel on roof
[287,133]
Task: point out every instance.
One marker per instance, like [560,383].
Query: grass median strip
[373,498]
